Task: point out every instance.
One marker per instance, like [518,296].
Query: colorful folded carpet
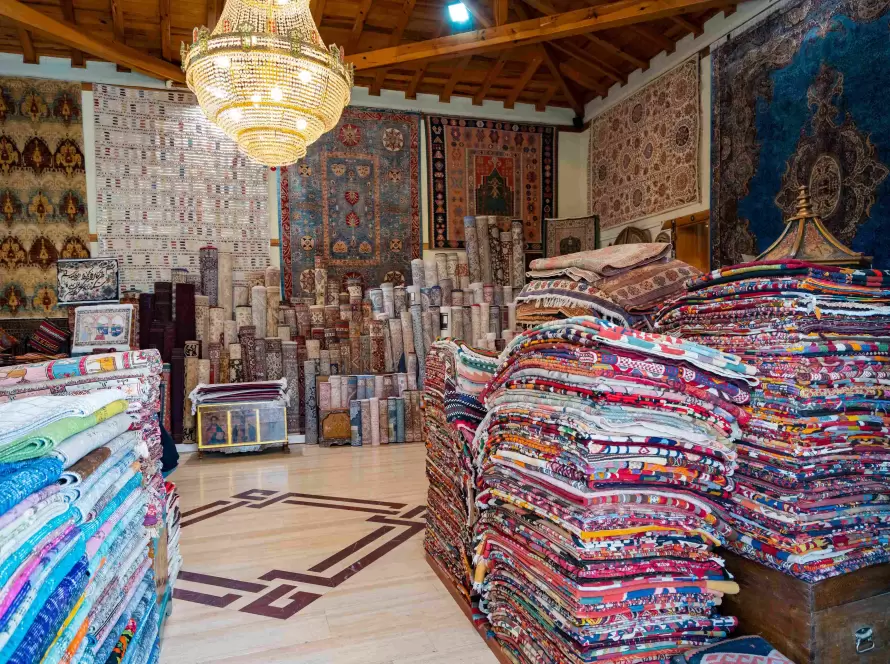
[813,485]
[599,466]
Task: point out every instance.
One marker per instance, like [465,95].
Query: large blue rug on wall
[803,98]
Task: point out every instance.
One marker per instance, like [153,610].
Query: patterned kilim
[644,150]
[168,183]
[489,167]
[42,192]
[355,201]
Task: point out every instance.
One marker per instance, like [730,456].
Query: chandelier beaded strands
[265,77]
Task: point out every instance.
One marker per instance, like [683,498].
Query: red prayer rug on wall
[490,167]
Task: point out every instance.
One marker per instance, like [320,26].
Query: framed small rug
[88,280]
[571,235]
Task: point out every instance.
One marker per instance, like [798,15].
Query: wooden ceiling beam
[166,47]
[68,14]
[493,72]
[411,92]
[624,55]
[213,11]
[543,100]
[583,79]
[29,53]
[531,31]
[117,21]
[695,28]
[561,82]
[655,37]
[317,9]
[477,13]
[394,39]
[75,37]
[590,61]
[456,74]
[359,25]
[500,8]
[729,10]
[530,70]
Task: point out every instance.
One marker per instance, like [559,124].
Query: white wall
[715,32]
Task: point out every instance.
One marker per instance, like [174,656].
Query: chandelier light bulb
[251,76]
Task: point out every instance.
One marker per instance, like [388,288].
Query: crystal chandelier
[266,79]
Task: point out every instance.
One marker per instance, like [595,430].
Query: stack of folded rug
[455,376]
[814,459]
[76,579]
[624,284]
[598,466]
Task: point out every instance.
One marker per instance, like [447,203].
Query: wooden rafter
[476,12]
[531,31]
[590,62]
[729,10]
[68,14]
[695,28]
[29,53]
[530,69]
[394,39]
[500,11]
[456,73]
[493,72]
[164,12]
[611,48]
[213,10]
[75,37]
[411,92]
[117,21]
[560,81]
[541,104]
[662,42]
[359,25]
[581,78]
[317,9]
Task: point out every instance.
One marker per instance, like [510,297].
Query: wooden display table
[813,623]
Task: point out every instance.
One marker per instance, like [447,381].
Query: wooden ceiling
[541,52]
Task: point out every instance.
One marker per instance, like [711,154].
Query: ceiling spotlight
[458,13]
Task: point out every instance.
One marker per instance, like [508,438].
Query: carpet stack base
[813,623]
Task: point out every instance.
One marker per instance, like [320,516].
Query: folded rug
[21,479]
[609,261]
[748,649]
[43,440]
[76,447]
[26,415]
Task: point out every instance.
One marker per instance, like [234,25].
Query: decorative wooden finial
[804,206]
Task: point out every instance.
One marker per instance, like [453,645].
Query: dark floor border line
[204,517]
[202,598]
[203,508]
[352,548]
[348,508]
[229,584]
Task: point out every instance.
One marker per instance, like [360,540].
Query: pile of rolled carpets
[598,466]
[624,284]
[814,457]
[76,578]
[456,375]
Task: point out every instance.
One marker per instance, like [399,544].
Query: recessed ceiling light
[458,13]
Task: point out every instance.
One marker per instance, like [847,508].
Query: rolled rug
[411,373]
[284,332]
[374,407]
[216,324]
[383,420]
[435,324]
[378,350]
[273,303]
[430,273]
[391,416]
[463,272]
[355,422]
[396,343]
[324,362]
[447,291]
[230,332]
[484,249]
[400,300]
[208,259]
[247,337]
[476,322]
[484,313]
[506,247]
[451,262]
[224,368]
[367,435]
[376,297]
[517,239]
[468,324]
[274,364]
[191,382]
[441,266]
[389,304]
[214,349]
[202,318]
[366,353]
[310,368]
[225,290]
[456,316]
[272,279]
[185,313]
[417,273]
[243,317]
[240,295]
[313,349]
[387,347]
[407,331]
[473,255]
[258,310]
[304,319]
[321,281]
[494,252]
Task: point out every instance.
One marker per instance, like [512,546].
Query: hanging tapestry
[490,167]
[354,200]
[799,99]
[42,192]
[168,182]
[644,151]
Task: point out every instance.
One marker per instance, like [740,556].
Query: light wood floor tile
[392,611]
